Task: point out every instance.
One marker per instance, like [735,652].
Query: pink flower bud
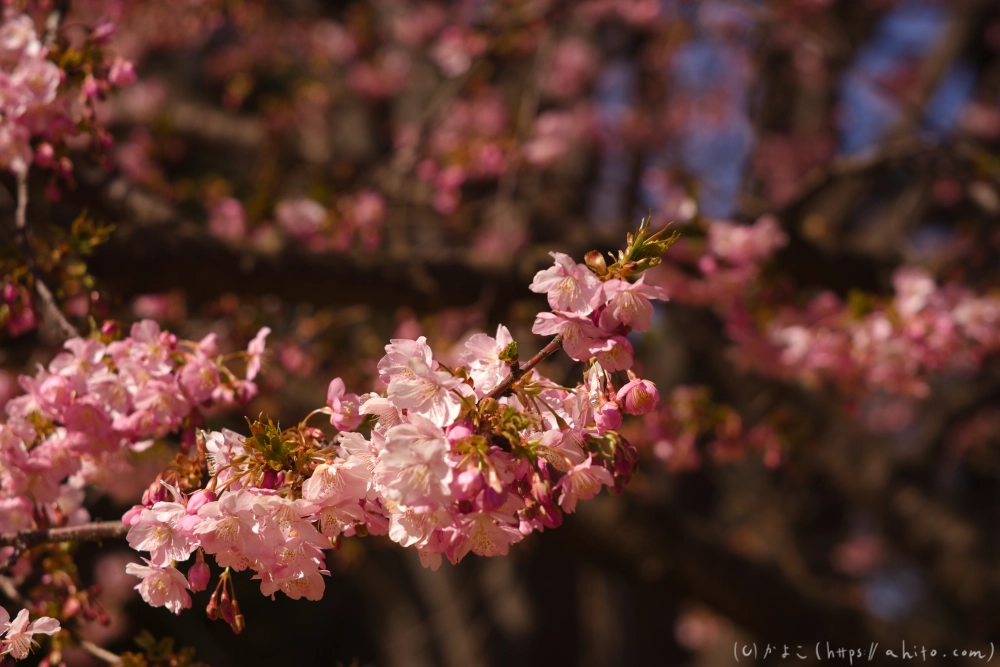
[638,397]
[607,417]
[90,87]
[103,30]
[122,73]
[131,517]
[199,498]
[270,477]
[493,498]
[154,494]
[467,484]
[458,431]
[199,574]
[45,155]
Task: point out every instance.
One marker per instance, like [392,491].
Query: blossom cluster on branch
[49,91]
[860,346]
[449,461]
[95,402]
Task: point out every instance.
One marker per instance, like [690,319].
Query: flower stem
[517,372]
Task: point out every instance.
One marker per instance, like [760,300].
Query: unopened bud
[268,479]
[238,624]
[595,260]
[638,397]
[131,517]
[607,417]
[199,498]
[199,574]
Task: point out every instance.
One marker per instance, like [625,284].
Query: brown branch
[517,372]
[26,539]
[87,532]
[49,305]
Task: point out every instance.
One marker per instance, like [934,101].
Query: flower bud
[131,517]
[467,484]
[595,260]
[268,480]
[494,495]
[199,574]
[238,624]
[638,397]
[199,498]
[154,494]
[458,431]
[607,417]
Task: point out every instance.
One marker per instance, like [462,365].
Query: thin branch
[87,532]
[517,372]
[49,305]
[100,653]
[21,217]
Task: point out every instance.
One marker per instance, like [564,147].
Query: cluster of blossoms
[691,427]
[96,401]
[17,639]
[43,103]
[864,345]
[448,461]
[360,217]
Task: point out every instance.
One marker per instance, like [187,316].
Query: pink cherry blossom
[570,287]
[413,467]
[17,636]
[628,304]
[582,482]
[346,408]
[254,352]
[581,340]
[481,356]
[161,586]
[436,395]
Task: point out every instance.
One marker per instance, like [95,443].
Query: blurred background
[823,462]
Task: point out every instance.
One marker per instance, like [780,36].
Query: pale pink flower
[230,530]
[436,395]
[628,304]
[294,569]
[334,483]
[569,286]
[227,220]
[161,586]
[122,73]
[408,527]
[413,468]
[199,378]
[581,339]
[17,637]
[346,408]
[221,447]
[481,357]
[162,533]
[387,414]
[582,482]
[300,218]
[398,354]
[254,352]
[614,353]
[484,536]
[450,52]
[746,244]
